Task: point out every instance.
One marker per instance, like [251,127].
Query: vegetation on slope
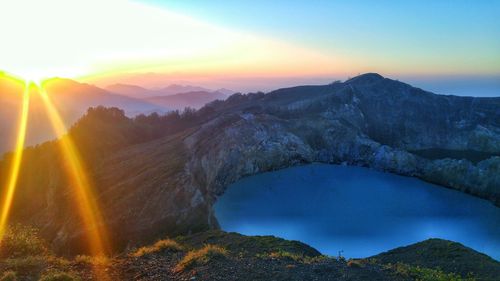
[448,256]
[25,256]
[217,255]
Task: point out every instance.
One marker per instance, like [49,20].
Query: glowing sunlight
[16,161]
[60,44]
[85,199]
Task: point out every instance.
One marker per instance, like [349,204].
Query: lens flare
[16,161]
[85,199]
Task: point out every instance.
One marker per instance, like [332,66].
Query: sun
[34,77]
[76,39]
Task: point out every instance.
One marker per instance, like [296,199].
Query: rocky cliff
[168,183]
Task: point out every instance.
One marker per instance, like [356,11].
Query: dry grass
[162,245]
[202,256]
[59,276]
[26,264]
[355,263]
[284,255]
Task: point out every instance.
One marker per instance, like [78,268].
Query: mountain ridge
[172,179]
[142,93]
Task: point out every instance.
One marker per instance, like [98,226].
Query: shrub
[293,256]
[57,261]
[26,264]
[9,276]
[203,256]
[286,255]
[58,276]
[99,260]
[162,245]
[21,241]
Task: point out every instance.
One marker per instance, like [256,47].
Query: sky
[254,45]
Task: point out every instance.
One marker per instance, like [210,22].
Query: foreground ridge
[217,255]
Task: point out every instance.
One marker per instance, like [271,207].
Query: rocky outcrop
[168,185]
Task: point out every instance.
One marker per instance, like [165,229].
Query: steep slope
[72,98]
[167,183]
[190,99]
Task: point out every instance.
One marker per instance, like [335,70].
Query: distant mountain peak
[193,99]
[122,85]
[225,91]
[177,89]
[366,78]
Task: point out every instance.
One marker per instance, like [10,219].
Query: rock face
[168,185]
[368,120]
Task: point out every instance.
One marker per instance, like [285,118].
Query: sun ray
[16,161]
[85,197]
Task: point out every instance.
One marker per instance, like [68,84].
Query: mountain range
[161,175]
[73,99]
[173,89]
[70,97]
[176,97]
[189,99]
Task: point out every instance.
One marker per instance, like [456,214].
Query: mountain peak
[225,91]
[173,89]
[122,85]
[366,78]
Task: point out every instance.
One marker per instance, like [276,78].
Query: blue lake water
[358,211]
